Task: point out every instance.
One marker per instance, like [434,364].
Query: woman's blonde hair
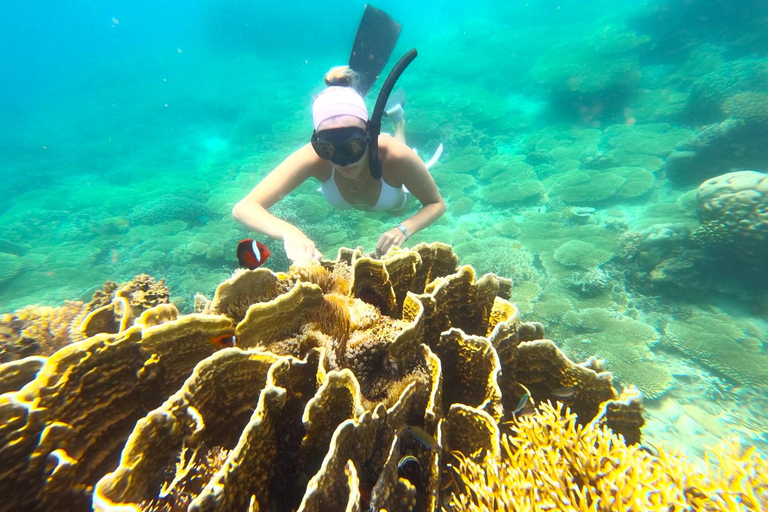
[343,76]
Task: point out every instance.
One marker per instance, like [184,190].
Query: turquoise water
[576,135]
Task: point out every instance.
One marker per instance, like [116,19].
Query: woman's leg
[399,130]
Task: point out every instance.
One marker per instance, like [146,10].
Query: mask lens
[342,146]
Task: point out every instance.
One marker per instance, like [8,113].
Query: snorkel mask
[341,146]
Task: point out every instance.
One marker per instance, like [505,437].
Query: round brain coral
[734,206]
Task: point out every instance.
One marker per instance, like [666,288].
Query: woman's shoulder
[392,150]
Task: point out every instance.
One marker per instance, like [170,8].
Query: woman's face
[355,169]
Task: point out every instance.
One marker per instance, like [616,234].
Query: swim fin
[393,109]
[376,38]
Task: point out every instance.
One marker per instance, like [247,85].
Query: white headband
[338,101]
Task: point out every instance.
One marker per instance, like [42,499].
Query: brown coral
[42,330]
[38,330]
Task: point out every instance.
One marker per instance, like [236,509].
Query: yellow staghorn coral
[548,462]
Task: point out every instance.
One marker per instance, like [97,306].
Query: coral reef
[590,186]
[513,181]
[353,367]
[170,208]
[661,258]
[10,265]
[750,106]
[501,256]
[623,341]
[37,330]
[585,187]
[716,341]
[710,93]
[548,462]
[594,77]
[584,255]
[590,281]
[732,143]
[42,330]
[657,139]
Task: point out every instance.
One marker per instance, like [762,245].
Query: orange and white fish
[224,340]
[251,254]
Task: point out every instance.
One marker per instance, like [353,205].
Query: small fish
[423,437]
[563,392]
[224,340]
[251,254]
[405,461]
[525,413]
[521,404]
[649,449]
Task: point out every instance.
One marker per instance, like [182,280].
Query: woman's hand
[393,237]
[299,248]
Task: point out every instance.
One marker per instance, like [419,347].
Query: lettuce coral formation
[575,253]
[341,362]
[623,341]
[718,343]
[586,187]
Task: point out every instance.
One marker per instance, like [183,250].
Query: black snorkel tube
[374,124]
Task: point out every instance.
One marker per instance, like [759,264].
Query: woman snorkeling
[339,157]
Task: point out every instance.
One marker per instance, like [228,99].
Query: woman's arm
[252,212]
[419,182]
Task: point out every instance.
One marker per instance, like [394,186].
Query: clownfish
[251,254]
[224,340]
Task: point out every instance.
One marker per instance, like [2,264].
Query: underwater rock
[331,395]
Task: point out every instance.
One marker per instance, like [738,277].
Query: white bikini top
[391,198]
